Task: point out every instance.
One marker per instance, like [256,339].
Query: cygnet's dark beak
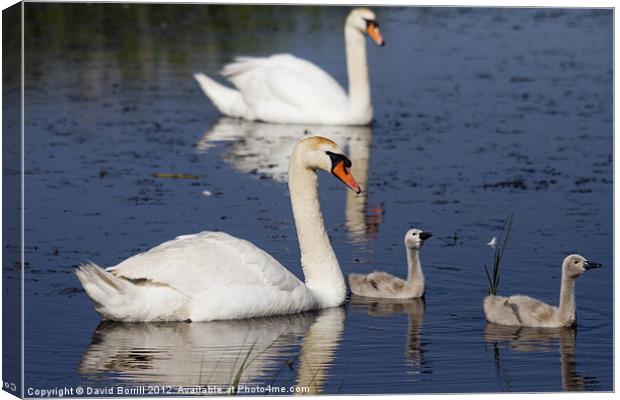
[591,265]
[425,235]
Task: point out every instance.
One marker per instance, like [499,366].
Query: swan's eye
[370,22]
[336,158]
[576,262]
[415,234]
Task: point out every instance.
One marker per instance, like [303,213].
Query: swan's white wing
[197,263]
[282,84]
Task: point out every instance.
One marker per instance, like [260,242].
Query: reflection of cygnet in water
[521,310]
[265,149]
[525,339]
[212,353]
[383,285]
[414,308]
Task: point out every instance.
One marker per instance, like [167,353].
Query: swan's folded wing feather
[284,80]
[534,308]
[195,263]
[543,312]
[384,280]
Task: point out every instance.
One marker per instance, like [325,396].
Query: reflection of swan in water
[318,347]
[265,149]
[414,308]
[525,339]
[211,353]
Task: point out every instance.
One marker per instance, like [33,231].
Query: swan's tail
[242,65]
[121,299]
[100,285]
[228,101]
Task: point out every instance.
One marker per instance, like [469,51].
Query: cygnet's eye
[415,234]
[576,262]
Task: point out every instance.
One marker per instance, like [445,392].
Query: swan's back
[207,260]
[284,88]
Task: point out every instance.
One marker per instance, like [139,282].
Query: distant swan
[289,90]
[215,276]
[521,310]
[383,285]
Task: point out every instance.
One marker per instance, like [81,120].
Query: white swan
[214,276]
[286,89]
[383,285]
[521,310]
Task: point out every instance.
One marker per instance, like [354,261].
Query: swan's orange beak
[373,31]
[341,171]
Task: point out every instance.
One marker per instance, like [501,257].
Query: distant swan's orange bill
[375,34]
[341,172]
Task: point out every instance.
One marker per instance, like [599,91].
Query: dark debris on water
[512,184]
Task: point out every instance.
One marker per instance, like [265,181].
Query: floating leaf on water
[171,175]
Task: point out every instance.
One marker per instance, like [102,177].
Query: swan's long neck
[566,311]
[320,265]
[415,274]
[357,68]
